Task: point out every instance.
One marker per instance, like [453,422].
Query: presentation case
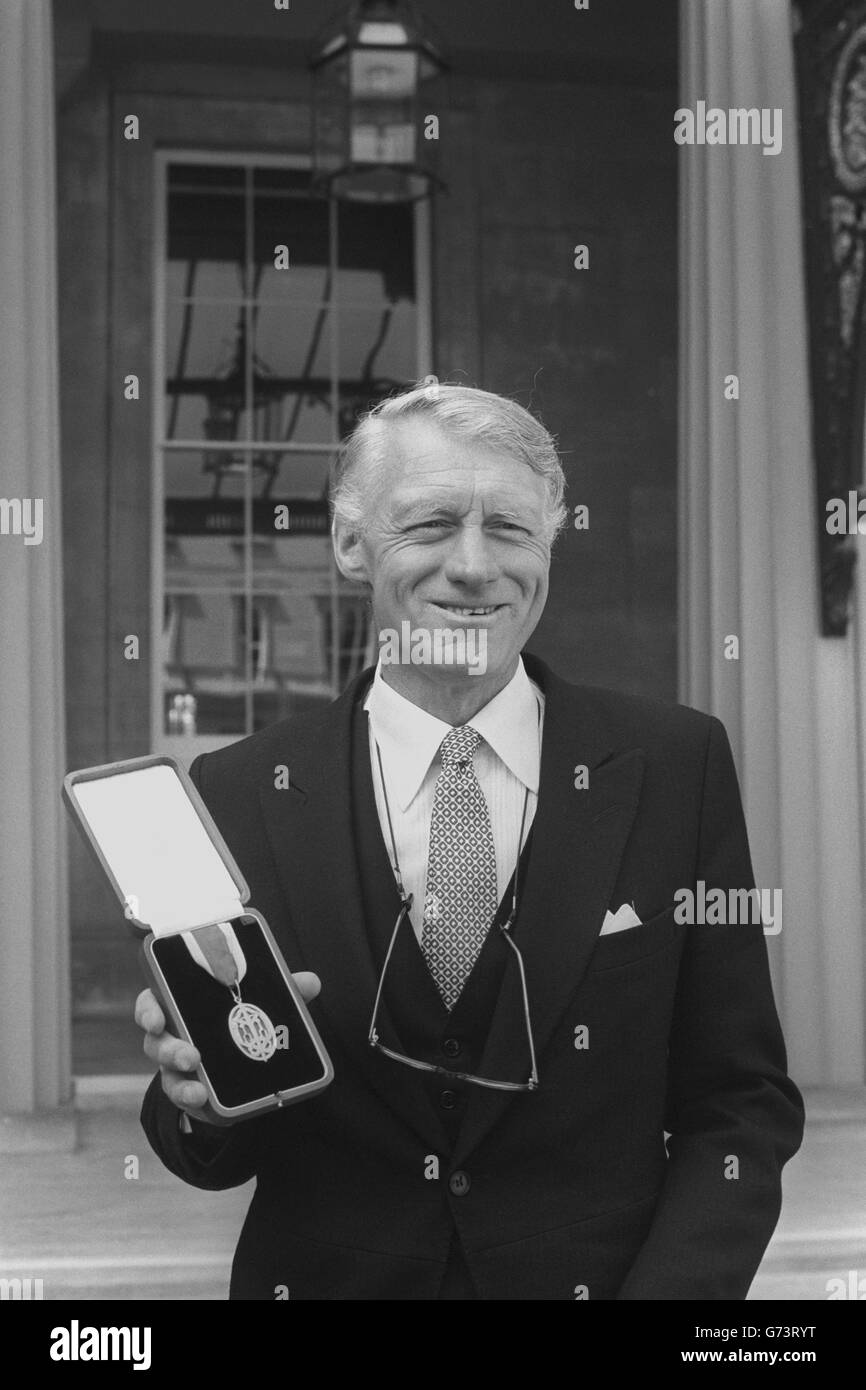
[158,846]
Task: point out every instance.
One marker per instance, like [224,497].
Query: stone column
[34,940]
[748,564]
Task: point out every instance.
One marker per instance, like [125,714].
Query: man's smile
[478,612]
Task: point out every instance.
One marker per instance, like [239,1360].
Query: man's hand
[177,1060]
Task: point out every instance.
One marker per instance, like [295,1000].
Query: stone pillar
[34,940]
[748,563]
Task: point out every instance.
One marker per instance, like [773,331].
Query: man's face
[454,527]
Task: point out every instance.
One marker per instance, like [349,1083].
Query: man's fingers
[148,1014]
[308,983]
[171,1052]
[185,1094]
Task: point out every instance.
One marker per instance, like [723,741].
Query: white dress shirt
[507,762]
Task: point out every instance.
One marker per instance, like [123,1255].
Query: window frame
[190,746]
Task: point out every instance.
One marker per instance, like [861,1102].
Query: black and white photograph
[433,663]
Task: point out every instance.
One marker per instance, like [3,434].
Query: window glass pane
[190,474]
[292,342]
[292,346]
[203,681]
[203,280]
[207,226]
[303,416]
[294,666]
[201,507]
[378,343]
[204,370]
[307,285]
[286,214]
[201,532]
[280,477]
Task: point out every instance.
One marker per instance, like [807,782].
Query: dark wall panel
[593,351]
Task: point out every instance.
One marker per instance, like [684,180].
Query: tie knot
[457,749]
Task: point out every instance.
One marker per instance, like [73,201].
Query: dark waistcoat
[423,1027]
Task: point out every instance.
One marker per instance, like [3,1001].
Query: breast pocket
[622,948]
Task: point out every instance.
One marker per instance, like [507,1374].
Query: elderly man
[571,1092]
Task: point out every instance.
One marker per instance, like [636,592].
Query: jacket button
[451,1047]
[459,1183]
[448,1100]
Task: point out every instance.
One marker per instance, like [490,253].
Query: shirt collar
[409,737]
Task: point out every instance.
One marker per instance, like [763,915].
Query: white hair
[464,411]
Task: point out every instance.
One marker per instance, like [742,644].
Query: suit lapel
[311,833]
[578,841]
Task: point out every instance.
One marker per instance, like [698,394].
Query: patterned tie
[461,896]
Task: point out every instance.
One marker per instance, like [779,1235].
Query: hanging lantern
[373,76]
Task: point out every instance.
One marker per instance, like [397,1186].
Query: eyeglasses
[373,1035]
[406,900]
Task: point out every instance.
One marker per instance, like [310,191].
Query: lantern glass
[374,32]
[378,74]
[375,143]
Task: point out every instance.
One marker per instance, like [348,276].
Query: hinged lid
[157,843]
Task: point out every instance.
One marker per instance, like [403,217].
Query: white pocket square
[620,920]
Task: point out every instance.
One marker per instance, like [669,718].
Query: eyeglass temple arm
[406,900]
[505,929]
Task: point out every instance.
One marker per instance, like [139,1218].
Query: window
[280,317]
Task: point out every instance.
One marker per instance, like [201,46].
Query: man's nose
[470,558]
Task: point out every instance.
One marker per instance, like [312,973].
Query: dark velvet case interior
[204,1006]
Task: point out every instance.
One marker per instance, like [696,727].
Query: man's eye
[433,524]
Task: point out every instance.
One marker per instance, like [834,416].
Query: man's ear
[349,552]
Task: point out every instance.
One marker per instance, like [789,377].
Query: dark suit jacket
[572,1191]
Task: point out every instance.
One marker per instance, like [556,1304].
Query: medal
[217,950]
[252,1030]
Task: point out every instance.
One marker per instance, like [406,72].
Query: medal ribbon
[217,950]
